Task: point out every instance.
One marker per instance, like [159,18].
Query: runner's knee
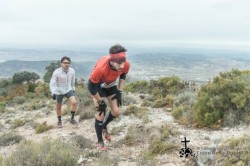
[116,112]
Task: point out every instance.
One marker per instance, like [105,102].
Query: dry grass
[44,153]
[234,151]
[134,135]
[43,127]
[10,138]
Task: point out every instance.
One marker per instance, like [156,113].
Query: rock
[81,160]
[207,137]
[72,133]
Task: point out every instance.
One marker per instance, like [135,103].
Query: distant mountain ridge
[8,68]
[144,66]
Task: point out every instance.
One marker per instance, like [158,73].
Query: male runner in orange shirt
[102,83]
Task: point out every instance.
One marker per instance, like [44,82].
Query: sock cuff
[98,121]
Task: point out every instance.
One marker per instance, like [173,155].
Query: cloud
[91,22]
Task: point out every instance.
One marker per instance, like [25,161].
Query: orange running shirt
[102,72]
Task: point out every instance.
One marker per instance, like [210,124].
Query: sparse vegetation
[134,135]
[1,160]
[128,99]
[224,101]
[163,102]
[18,123]
[139,112]
[44,153]
[182,109]
[43,127]
[159,142]
[234,151]
[146,103]
[2,107]
[82,142]
[162,90]
[19,99]
[10,138]
[138,87]
[87,113]
[116,130]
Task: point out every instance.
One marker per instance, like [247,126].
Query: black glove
[54,96]
[102,107]
[118,97]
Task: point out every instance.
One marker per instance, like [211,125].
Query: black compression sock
[59,118]
[98,129]
[107,119]
[72,114]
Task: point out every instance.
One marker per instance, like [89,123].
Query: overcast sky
[101,23]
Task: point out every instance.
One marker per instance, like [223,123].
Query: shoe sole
[101,148]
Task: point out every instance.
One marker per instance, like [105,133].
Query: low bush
[10,138]
[182,108]
[19,99]
[133,136]
[82,142]
[18,123]
[227,92]
[43,127]
[163,102]
[44,153]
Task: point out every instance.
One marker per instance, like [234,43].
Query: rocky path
[200,139]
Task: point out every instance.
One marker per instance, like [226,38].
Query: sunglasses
[66,62]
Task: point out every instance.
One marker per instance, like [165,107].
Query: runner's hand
[102,107]
[118,97]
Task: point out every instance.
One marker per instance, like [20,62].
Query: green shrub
[18,123]
[42,89]
[2,107]
[43,127]
[138,86]
[165,86]
[47,152]
[163,102]
[5,86]
[31,87]
[30,95]
[10,138]
[178,112]
[228,91]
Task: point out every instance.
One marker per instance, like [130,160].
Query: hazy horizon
[57,24]
[55,54]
